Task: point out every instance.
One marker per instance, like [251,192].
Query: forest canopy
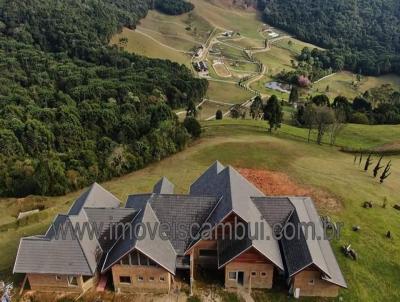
[73,110]
[361,36]
[173,7]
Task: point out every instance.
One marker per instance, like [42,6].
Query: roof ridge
[155,214]
[319,240]
[303,199]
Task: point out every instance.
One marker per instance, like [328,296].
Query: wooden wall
[311,284]
[197,261]
[134,271]
[248,262]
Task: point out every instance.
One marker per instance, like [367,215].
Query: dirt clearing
[279,184]
[222,70]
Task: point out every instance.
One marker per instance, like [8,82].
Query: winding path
[160,43]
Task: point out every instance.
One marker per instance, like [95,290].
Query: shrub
[218,115]
[360,118]
[193,299]
[192,126]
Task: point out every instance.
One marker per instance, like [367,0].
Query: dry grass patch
[280,184]
[222,70]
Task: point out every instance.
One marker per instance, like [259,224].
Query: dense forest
[173,7]
[361,36]
[72,109]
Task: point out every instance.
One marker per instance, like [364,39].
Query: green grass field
[226,92]
[144,45]
[215,12]
[293,45]
[208,109]
[247,144]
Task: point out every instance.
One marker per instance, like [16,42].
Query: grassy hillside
[144,45]
[282,53]
[227,92]
[247,145]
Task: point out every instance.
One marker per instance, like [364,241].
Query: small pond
[279,86]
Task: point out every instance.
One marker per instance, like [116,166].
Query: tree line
[361,36]
[74,110]
[173,7]
[377,106]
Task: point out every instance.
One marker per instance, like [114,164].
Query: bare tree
[324,117]
[368,162]
[338,125]
[378,166]
[386,173]
[309,118]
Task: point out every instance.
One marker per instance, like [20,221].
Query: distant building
[199,51]
[228,33]
[200,66]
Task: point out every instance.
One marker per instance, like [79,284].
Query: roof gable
[312,249]
[96,196]
[163,186]
[150,243]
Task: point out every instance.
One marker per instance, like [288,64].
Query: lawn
[190,25]
[293,45]
[352,136]
[208,109]
[144,45]
[276,59]
[245,42]
[216,13]
[226,92]
[180,42]
[247,144]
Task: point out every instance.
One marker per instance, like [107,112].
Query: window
[151,278]
[254,274]
[263,274]
[311,282]
[72,281]
[208,253]
[232,275]
[125,260]
[58,278]
[125,279]
[134,258]
[162,279]
[140,278]
[143,259]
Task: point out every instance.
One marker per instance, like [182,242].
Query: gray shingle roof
[229,249]
[295,251]
[107,220]
[319,247]
[153,245]
[52,255]
[180,212]
[96,196]
[138,201]
[75,250]
[275,210]
[163,186]
[236,194]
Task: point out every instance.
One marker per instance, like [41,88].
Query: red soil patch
[279,184]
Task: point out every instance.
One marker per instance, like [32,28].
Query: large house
[211,231]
